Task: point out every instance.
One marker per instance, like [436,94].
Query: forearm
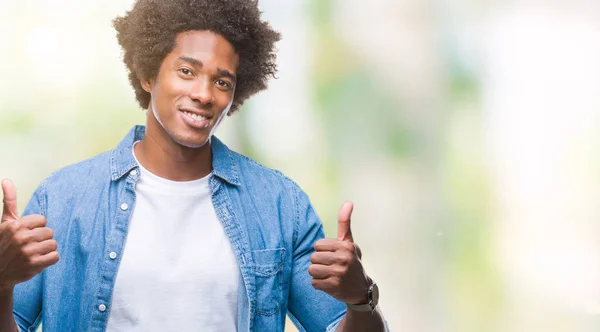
[356,321]
[7,320]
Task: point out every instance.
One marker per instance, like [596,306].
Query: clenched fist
[27,246]
[336,266]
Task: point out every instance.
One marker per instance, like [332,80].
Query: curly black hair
[147,34]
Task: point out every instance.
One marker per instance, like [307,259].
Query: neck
[164,157]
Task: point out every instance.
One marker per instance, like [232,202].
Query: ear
[147,85]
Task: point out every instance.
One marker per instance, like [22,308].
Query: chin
[191,143]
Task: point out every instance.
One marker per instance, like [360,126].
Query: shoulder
[74,175]
[69,183]
[254,173]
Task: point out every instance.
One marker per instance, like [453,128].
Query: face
[194,88]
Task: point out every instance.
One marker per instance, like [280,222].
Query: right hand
[27,246]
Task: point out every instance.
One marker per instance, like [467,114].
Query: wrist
[372,299]
[365,292]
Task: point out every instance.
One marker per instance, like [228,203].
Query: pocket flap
[268,262]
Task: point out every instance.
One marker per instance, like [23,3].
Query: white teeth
[195,116]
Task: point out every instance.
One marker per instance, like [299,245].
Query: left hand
[336,266]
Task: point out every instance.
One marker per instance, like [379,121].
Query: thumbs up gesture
[336,266]
[26,245]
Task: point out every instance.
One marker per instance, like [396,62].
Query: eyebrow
[197,63]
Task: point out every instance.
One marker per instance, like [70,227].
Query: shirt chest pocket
[268,271]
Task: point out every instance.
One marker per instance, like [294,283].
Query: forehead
[207,47]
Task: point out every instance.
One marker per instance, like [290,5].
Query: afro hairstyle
[147,34]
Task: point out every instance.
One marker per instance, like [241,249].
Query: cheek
[224,101]
[168,89]
[224,98]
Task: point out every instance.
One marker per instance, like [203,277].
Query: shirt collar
[122,161]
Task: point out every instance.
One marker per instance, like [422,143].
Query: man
[171,230]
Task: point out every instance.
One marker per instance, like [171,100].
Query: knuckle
[22,238]
[341,270]
[335,282]
[29,262]
[350,257]
[348,246]
[14,227]
[344,259]
[25,252]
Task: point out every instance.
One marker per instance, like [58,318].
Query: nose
[202,92]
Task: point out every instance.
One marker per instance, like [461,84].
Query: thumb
[9,210]
[344,231]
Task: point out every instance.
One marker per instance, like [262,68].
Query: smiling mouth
[195,116]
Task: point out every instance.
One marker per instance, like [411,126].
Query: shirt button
[124,206]
[112,255]
[133,173]
[102,308]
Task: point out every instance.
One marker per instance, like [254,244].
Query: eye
[185,71]
[223,84]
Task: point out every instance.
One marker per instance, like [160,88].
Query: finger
[33,221]
[327,245]
[323,284]
[344,231]
[323,258]
[43,261]
[41,234]
[9,209]
[320,271]
[33,249]
[46,247]
[358,251]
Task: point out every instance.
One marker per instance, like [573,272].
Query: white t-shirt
[178,271]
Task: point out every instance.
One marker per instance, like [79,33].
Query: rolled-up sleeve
[309,309]
[27,295]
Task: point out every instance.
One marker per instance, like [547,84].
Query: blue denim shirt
[268,219]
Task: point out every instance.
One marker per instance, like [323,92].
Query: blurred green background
[466,133]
